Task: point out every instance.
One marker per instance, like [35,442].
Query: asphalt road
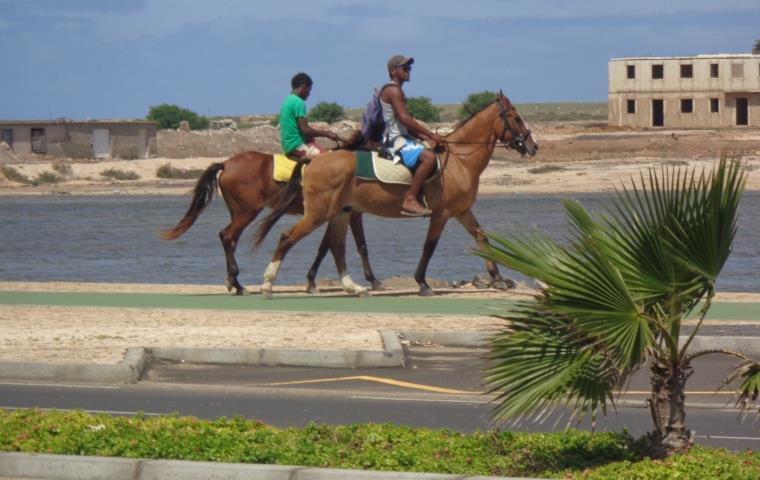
[441,387]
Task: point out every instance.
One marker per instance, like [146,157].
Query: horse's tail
[286,200]
[202,196]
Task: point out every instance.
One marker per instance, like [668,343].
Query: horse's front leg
[303,227]
[338,230]
[357,229]
[437,223]
[470,223]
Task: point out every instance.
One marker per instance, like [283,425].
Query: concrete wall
[672,88]
[129,140]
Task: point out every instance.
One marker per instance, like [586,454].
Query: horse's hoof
[361,292]
[312,289]
[377,285]
[228,284]
[242,291]
[503,284]
[425,292]
[266,293]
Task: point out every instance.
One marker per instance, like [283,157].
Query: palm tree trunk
[667,407]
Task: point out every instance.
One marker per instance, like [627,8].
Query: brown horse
[330,187]
[248,187]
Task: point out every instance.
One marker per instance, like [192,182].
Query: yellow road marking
[387,381]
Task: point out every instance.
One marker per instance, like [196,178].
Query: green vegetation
[62,168]
[167,171]
[47,177]
[170,116]
[119,174]
[326,112]
[546,169]
[474,103]
[422,108]
[14,175]
[615,300]
[570,454]
[756,47]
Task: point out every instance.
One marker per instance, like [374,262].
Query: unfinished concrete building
[88,139]
[704,91]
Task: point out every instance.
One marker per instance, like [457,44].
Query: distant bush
[475,102]
[326,112]
[170,116]
[422,108]
[47,177]
[119,174]
[167,171]
[275,121]
[14,175]
[62,168]
[546,169]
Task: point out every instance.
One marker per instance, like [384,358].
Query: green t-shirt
[290,136]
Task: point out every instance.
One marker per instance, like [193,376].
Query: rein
[517,139]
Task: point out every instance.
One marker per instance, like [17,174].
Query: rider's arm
[308,131]
[396,99]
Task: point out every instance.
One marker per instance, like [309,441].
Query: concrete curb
[746,345]
[69,467]
[131,368]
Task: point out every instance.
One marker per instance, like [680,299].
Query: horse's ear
[500,94]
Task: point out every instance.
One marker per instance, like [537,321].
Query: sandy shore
[102,335]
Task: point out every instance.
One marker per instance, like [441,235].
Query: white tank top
[393,128]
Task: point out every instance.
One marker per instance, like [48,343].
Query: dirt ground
[573,157]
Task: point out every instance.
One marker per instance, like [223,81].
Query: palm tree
[616,298]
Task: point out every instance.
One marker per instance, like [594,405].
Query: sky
[100,59]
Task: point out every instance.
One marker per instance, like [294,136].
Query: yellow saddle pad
[283,167]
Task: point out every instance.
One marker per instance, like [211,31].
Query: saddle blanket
[283,168]
[371,166]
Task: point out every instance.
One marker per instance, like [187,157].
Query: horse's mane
[463,122]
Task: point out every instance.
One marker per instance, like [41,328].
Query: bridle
[518,140]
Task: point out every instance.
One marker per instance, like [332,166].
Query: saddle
[371,166]
[283,168]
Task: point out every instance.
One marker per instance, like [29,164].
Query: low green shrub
[62,168]
[570,454]
[167,171]
[119,174]
[546,169]
[47,177]
[14,175]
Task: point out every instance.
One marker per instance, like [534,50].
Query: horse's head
[515,133]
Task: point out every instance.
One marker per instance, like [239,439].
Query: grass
[570,454]
[42,178]
[119,174]
[62,168]
[167,171]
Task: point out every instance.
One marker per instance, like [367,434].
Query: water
[114,239]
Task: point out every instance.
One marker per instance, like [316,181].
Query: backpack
[373,124]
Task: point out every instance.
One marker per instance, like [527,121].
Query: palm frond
[749,390]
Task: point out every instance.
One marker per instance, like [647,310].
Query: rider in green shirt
[296,135]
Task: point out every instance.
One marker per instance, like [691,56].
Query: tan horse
[331,191]
[248,187]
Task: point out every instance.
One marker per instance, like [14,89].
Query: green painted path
[290,303]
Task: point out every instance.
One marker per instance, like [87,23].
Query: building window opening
[7,136]
[714,105]
[687,105]
[687,70]
[657,71]
[631,106]
[737,70]
[39,145]
[713,70]
[631,71]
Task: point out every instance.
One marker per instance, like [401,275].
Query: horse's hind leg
[338,229]
[229,237]
[311,277]
[303,227]
[357,229]
[470,223]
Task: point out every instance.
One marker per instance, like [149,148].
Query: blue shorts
[410,153]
